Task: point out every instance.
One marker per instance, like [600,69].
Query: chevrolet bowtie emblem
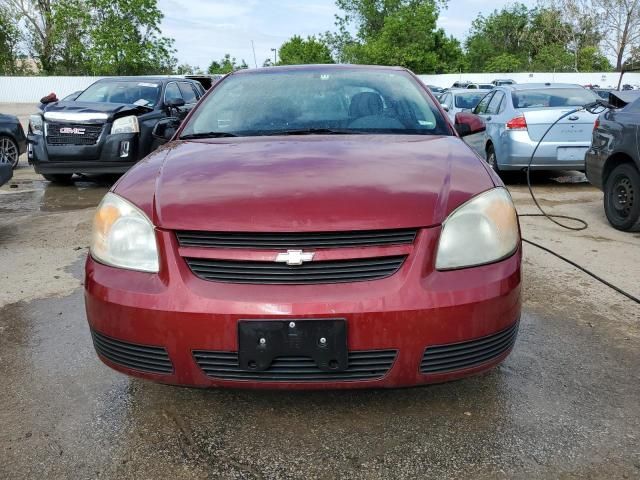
[294,257]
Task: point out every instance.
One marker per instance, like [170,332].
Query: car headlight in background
[123,236]
[36,124]
[483,230]
[125,125]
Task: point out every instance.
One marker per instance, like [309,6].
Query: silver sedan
[461,100]
[517,116]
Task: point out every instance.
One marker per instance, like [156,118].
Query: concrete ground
[565,404]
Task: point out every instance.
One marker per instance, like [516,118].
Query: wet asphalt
[565,404]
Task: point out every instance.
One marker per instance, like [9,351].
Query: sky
[204,30]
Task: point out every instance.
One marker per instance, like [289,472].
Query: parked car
[481,86]
[6,173]
[308,227]
[107,128]
[461,100]
[461,84]
[517,117]
[498,82]
[437,91]
[613,165]
[13,141]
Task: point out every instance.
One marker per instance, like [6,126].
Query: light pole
[275,55]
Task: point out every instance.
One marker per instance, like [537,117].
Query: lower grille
[72,134]
[363,365]
[335,271]
[456,356]
[137,357]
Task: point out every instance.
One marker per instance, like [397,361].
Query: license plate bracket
[571,154]
[261,341]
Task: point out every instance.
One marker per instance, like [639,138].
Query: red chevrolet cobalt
[307,227]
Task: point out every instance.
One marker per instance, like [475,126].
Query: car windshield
[141,93]
[322,101]
[468,100]
[553,97]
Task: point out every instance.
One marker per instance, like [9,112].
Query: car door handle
[488,119]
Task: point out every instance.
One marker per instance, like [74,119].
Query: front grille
[278,241]
[89,137]
[456,356]
[137,357]
[363,365]
[335,271]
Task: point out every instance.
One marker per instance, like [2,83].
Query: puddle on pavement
[27,195]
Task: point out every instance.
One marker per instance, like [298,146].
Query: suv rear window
[552,97]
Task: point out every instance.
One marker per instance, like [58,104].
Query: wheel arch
[613,161]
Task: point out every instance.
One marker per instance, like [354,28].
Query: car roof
[157,78]
[314,67]
[537,86]
[471,90]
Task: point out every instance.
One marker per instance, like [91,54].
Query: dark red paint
[314,183]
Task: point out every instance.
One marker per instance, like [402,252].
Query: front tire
[61,178]
[622,198]
[9,151]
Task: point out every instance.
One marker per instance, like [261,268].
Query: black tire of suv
[622,198]
[61,178]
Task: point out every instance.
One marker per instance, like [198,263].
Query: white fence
[605,80]
[32,89]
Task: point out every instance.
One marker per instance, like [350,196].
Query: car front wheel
[9,152]
[622,198]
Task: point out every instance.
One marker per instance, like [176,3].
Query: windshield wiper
[314,131]
[193,136]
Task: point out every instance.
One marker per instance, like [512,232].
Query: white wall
[605,80]
[32,89]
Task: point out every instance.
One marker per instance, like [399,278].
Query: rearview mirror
[445,107]
[468,124]
[175,103]
[165,129]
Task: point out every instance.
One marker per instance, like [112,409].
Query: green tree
[503,34]
[9,36]
[126,39]
[298,51]
[504,63]
[396,32]
[227,64]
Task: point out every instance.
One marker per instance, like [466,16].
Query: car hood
[315,183]
[87,111]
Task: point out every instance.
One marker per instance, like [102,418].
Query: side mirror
[175,103]
[445,107]
[165,129]
[468,124]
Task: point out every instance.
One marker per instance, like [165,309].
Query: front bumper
[416,308]
[515,149]
[102,158]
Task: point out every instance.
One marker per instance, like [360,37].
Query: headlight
[35,124]
[125,125]
[483,230]
[123,236]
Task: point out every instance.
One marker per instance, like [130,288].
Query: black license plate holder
[261,341]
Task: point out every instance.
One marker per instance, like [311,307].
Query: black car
[13,142]
[108,127]
[613,165]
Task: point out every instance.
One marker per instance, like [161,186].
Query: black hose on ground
[595,107]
